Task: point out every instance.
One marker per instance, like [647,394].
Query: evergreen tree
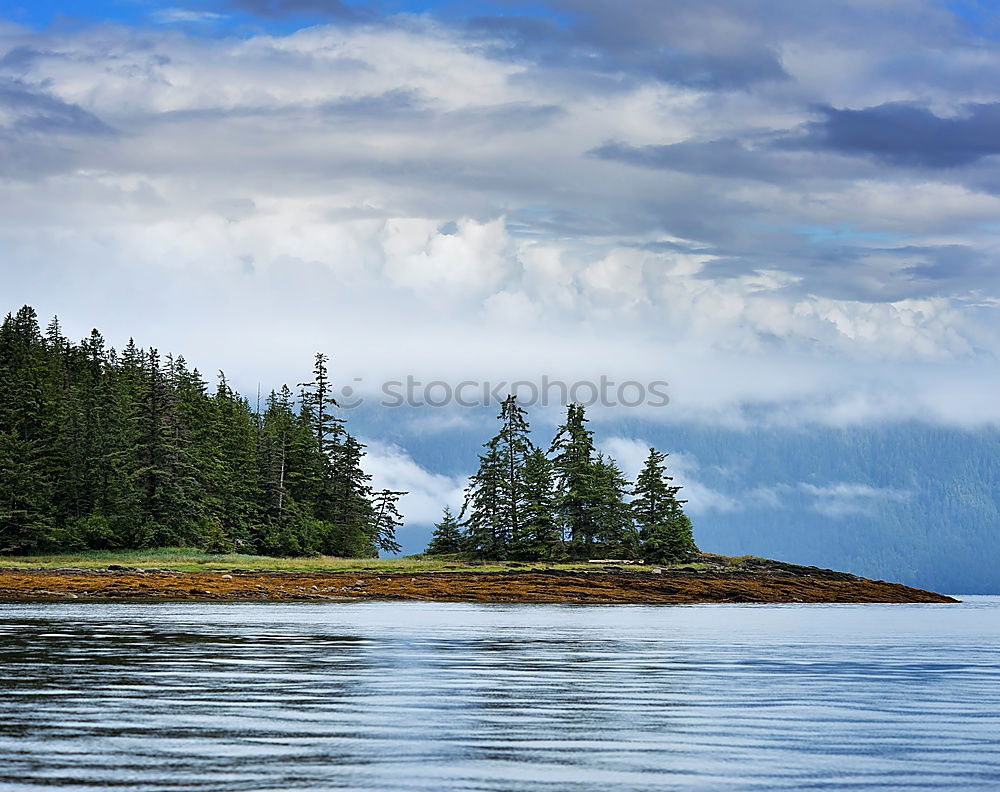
[576,477]
[483,511]
[447,536]
[26,452]
[513,447]
[613,520]
[497,493]
[385,520]
[317,401]
[103,450]
[665,531]
[275,428]
[350,503]
[540,535]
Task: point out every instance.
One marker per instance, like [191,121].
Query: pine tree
[576,474]
[540,535]
[447,536]
[613,520]
[665,532]
[385,520]
[513,446]
[496,493]
[483,511]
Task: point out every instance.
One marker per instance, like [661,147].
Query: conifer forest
[107,449]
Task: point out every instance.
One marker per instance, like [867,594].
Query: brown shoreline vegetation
[754,581]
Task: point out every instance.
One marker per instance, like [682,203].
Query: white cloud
[166,16]
[427,493]
[842,498]
[402,198]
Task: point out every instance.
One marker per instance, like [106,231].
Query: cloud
[167,16]
[427,493]
[573,191]
[902,133]
[278,8]
[851,498]
[834,499]
[26,109]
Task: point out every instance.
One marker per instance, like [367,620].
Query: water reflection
[437,697]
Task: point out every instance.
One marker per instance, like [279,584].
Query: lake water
[425,696]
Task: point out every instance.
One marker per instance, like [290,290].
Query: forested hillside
[127,449]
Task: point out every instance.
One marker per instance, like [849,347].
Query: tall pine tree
[664,530]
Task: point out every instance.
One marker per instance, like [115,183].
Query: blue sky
[231,17]
[981,15]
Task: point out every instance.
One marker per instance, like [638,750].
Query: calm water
[423,696]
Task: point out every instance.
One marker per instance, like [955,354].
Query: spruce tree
[540,536]
[613,520]
[576,477]
[385,520]
[665,532]
[483,510]
[350,504]
[26,444]
[513,446]
[447,536]
[497,493]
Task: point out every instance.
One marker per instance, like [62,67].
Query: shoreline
[771,582]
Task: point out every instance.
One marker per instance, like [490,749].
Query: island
[708,578]
[119,456]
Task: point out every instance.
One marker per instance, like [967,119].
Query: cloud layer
[788,213]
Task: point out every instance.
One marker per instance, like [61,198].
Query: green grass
[189,560]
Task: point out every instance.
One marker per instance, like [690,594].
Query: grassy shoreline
[192,560]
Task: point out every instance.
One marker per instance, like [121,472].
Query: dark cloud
[589,49]
[755,158]
[507,117]
[279,8]
[901,133]
[864,274]
[35,111]
[20,58]
[400,101]
[381,111]
[730,158]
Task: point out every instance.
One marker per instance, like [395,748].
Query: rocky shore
[754,580]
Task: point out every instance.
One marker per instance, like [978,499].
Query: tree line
[569,502]
[101,449]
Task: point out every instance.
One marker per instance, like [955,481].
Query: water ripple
[424,696]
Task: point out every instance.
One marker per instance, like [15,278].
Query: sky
[788,211]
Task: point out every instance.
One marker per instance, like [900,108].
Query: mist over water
[429,696]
